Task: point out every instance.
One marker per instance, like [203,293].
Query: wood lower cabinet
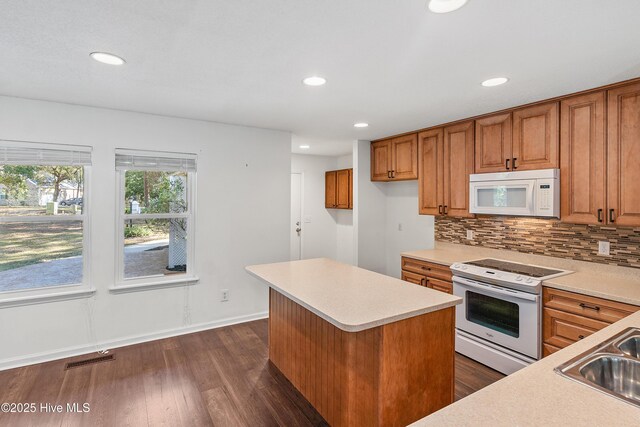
[338,189]
[624,156]
[395,159]
[445,160]
[535,137]
[493,142]
[428,274]
[568,317]
[583,168]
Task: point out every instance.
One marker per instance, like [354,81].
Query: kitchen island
[363,348]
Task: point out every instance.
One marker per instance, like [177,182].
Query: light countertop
[351,298]
[538,396]
[615,283]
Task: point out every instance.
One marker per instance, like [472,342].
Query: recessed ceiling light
[361,125]
[305,147]
[444,6]
[497,81]
[314,81]
[107,58]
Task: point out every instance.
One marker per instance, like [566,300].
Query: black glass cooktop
[512,267]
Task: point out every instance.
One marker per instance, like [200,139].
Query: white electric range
[499,321]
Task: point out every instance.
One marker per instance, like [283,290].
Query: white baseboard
[91,348]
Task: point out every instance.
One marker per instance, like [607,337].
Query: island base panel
[388,375]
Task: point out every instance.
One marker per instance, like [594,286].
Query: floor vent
[91,361]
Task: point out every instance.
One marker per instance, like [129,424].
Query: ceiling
[390,63]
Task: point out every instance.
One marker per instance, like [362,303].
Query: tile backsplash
[544,237]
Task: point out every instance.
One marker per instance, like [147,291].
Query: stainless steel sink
[612,367]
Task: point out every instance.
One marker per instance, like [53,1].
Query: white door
[296,216]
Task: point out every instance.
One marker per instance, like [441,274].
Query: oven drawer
[583,305]
[562,329]
[416,279]
[430,269]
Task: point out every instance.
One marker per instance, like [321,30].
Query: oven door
[503,316]
[508,197]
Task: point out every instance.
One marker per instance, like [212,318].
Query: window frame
[85,288]
[189,277]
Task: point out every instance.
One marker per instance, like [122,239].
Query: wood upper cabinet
[583,169]
[624,155]
[395,159]
[493,143]
[381,160]
[330,189]
[535,137]
[338,189]
[430,172]
[445,160]
[458,164]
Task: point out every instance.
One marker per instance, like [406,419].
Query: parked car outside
[70,202]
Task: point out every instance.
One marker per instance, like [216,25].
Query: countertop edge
[363,326]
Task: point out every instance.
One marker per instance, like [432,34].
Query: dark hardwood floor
[217,377]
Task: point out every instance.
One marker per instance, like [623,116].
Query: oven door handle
[494,290]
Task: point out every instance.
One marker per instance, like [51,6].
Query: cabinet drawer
[430,269]
[561,329]
[440,285]
[583,305]
[416,279]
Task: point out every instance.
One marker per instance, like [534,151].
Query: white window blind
[24,153]
[154,160]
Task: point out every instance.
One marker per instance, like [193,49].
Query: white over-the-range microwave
[525,193]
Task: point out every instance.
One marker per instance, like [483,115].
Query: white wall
[318,225]
[406,230]
[381,209]
[369,212]
[242,218]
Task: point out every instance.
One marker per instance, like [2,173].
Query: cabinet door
[493,143]
[535,137]
[350,188]
[381,160]
[414,278]
[583,172]
[440,285]
[342,192]
[624,155]
[431,174]
[404,157]
[458,164]
[330,183]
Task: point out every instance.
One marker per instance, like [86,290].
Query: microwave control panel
[547,198]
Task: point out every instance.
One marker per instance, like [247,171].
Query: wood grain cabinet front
[445,160]
[429,274]
[395,159]
[338,189]
[568,317]
[535,137]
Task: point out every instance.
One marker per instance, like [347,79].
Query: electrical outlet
[603,248]
[224,295]
[470,235]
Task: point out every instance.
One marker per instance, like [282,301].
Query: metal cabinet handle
[600,215]
[393,174]
[422,267]
[445,210]
[440,209]
[389,174]
[611,218]
[422,282]
[580,337]
[506,164]
[513,163]
[590,307]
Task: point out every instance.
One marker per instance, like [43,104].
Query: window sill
[45,298]
[158,284]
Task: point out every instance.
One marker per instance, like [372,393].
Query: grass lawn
[31,243]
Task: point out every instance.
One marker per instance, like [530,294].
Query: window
[44,228]
[155,218]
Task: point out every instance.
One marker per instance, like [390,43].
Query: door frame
[291,230]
